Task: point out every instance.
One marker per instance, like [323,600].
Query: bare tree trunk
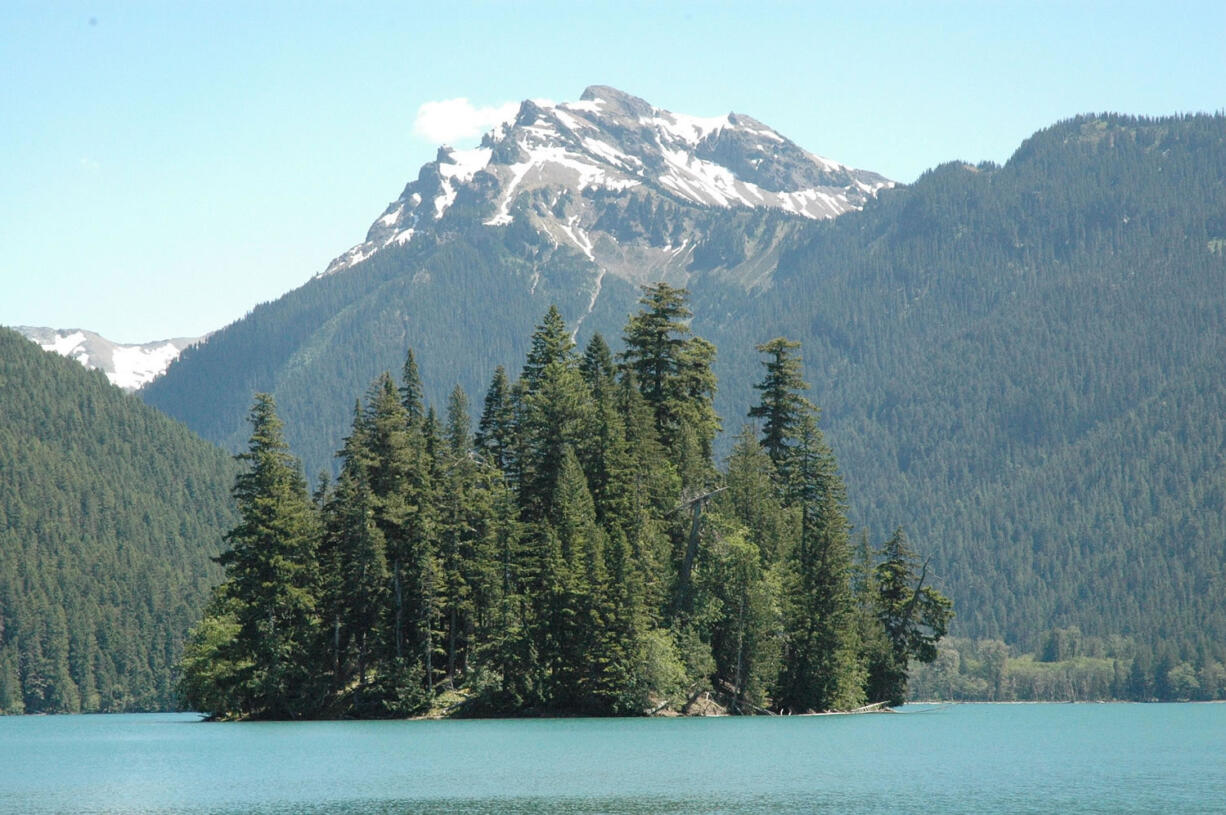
[451,647]
[399,627]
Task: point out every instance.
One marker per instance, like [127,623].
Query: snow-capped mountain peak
[128,366]
[610,142]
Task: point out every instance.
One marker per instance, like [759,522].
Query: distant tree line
[1068,666]
[580,553]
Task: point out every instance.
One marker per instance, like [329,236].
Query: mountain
[128,366]
[575,204]
[1021,364]
[558,166]
[109,515]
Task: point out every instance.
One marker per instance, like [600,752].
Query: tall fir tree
[270,576]
[821,667]
[495,436]
[783,406]
[399,471]
[354,573]
[460,555]
[605,454]
[576,615]
[550,343]
[655,493]
[673,369]
[554,411]
[411,394]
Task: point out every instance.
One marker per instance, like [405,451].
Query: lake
[1104,758]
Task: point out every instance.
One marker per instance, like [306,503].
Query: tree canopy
[581,553]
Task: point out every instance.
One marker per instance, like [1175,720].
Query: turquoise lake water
[957,759]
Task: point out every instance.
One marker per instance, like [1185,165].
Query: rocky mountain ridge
[583,174]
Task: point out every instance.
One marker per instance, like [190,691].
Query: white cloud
[451,120]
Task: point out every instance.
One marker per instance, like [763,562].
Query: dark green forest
[1041,392]
[109,514]
[581,553]
[1022,362]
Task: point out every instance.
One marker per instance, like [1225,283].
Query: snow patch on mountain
[503,215]
[128,366]
[688,129]
[67,344]
[464,164]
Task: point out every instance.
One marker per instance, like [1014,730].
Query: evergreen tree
[695,394]
[575,635]
[913,616]
[353,560]
[411,389]
[673,370]
[495,430]
[875,650]
[655,492]
[463,558]
[597,365]
[398,469]
[555,410]
[605,454]
[270,576]
[821,665]
[783,407]
[213,676]
[754,497]
[459,424]
[655,339]
[551,343]
[639,666]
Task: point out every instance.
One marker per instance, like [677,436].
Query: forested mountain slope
[1024,364]
[109,513]
[1021,364]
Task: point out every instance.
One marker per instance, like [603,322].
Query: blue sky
[166,166]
